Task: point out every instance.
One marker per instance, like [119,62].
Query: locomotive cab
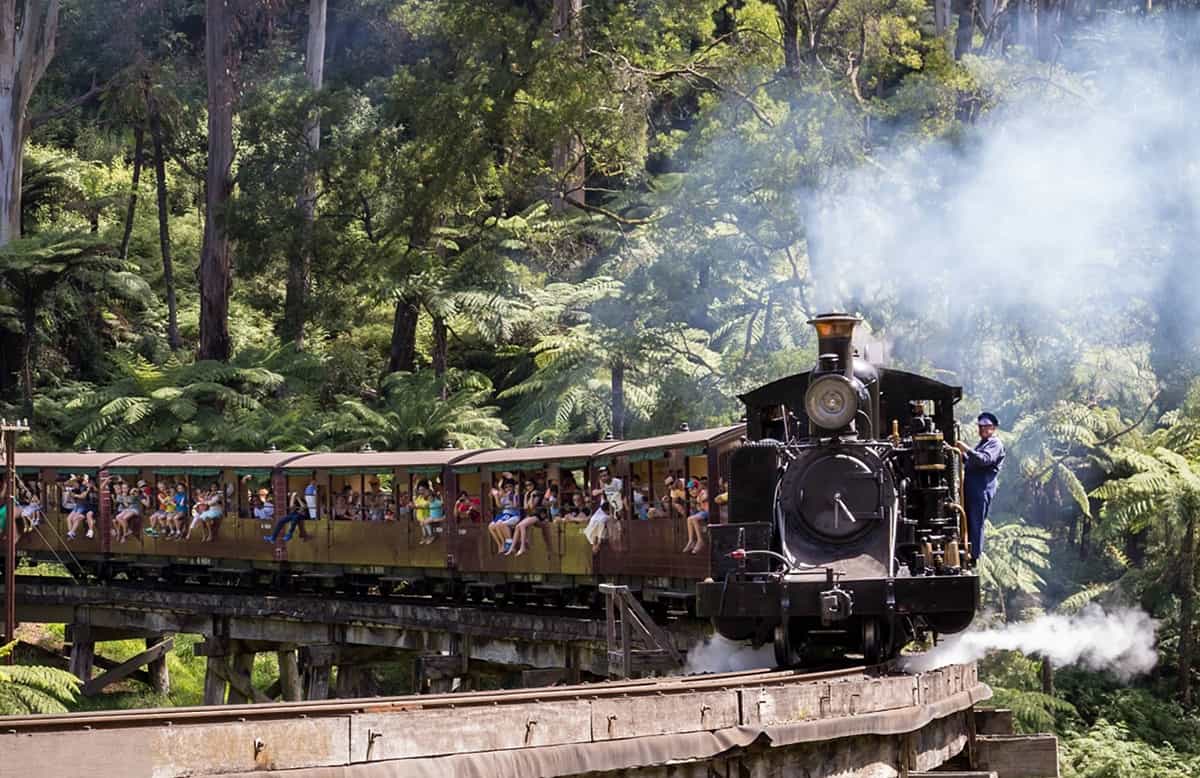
[845,512]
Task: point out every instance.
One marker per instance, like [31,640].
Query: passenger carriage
[364,540]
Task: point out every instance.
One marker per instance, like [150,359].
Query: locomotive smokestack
[834,334]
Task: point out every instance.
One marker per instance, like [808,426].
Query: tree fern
[26,690]
[1033,711]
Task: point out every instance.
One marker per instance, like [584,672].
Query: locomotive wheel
[786,652]
[876,645]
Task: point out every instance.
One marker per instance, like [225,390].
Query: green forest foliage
[25,690]
[524,229]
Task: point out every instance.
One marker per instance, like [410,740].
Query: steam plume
[1071,205]
[718,655]
[1121,641]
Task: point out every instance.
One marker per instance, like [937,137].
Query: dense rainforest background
[327,223]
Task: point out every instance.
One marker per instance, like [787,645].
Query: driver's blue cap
[987,419]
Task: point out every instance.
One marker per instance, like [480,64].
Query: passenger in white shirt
[597,526]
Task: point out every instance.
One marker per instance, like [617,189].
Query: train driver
[982,464]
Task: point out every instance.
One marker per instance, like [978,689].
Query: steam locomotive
[846,520]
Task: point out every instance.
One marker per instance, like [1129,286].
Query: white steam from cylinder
[717,654]
[1120,641]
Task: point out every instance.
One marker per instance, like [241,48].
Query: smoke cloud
[720,655]
[1120,641]
[1075,202]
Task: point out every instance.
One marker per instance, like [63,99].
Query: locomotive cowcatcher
[846,524]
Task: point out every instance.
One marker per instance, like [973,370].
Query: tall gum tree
[300,263]
[568,157]
[217,254]
[27,33]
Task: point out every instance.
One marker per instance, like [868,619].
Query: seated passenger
[420,506]
[534,514]
[576,509]
[199,506]
[164,507]
[678,496]
[404,509]
[609,490]
[310,498]
[216,509]
[129,508]
[509,515]
[437,515]
[31,506]
[178,519]
[597,526]
[641,508]
[294,518]
[697,522]
[207,511]
[83,498]
[265,510]
[375,502]
[464,509]
[721,500]
[550,501]
[341,504]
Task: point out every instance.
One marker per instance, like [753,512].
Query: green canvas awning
[500,467]
[199,471]
[123,470]
[694,451]
[257,472]
[465,469]
[572,464]
[426,470]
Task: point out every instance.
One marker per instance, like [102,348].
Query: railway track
[649,687]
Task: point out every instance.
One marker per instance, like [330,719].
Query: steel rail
[658,686]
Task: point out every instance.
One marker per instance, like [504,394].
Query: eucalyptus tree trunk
[26,48]
[1187,600]
[789,25]
[300,263]
[568,163]
[966,28]
[440,352]
[941,16]
[28,345]
[164,227]
[139,136]
[216,257]
[618,400]
[403,355]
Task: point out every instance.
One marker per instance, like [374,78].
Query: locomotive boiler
[846,524]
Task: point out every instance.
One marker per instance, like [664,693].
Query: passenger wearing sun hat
[982,465]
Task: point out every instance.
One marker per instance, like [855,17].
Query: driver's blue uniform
[982,464]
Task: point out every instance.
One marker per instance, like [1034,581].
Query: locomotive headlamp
[831,401]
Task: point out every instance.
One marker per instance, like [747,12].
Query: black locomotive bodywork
[845,512]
